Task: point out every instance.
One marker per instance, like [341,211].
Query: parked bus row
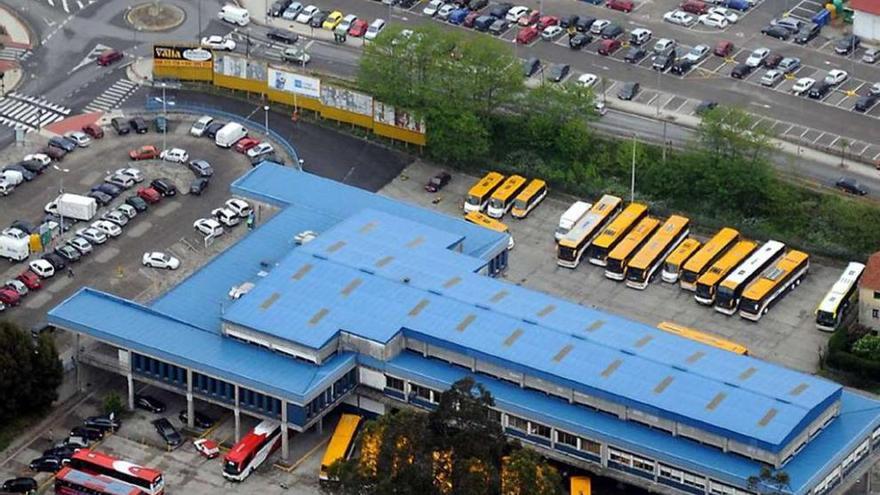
[496,195]
[728,272]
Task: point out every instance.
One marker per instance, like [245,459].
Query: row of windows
[158,370]
[258,402]
[682,477]
[329,396]
[631,460]
[212,387]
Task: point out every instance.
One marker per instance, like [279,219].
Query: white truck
[14,245]
[229,134]
[77,207]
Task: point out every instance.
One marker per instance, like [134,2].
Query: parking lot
[786,335]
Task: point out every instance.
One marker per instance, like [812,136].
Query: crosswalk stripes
[29,113]
[12,54]
[112,97]
[70,6]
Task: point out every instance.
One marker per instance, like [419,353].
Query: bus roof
[684,251]
[531,189]
[110,462]
[341,439]
[634,239]
[713,246]
[575,212]
[841,287]
[103,484]
[248,442]
[771,276]
[509,187]
[747,269]
[660,241]
[485,221]
[690,333]
[726,263]
[486,184]
[617,227]
[588,224]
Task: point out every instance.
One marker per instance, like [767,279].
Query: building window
[517,423]
[669,473]
[695,481]
[643,464]
[876,294]
[619,457]
[394,383]
[566,438]
[591,446]
[540,430]
[422,393]
[875,313]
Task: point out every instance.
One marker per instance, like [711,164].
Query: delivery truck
[77,207]
[14,245]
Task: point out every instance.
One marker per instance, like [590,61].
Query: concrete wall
[869,309]
[867,26]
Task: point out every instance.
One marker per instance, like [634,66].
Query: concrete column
[190,405]
[319,426]
[130,380]
[76,360]
[285,441]
[237,411]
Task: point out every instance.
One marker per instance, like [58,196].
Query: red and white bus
[148,480]
[252,450]
[72,482]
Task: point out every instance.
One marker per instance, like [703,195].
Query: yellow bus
[703,338]
[644,264]
[502,199]
[618,258]
[708,282]
[479,194]
[672,263]
[478,218]
[581,485]
[614,232]
[843,294]
[529,198]
[767,289]
[571,247]
[708,254]
[341,443]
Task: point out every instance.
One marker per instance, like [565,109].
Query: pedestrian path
[29,113]
[14,54]
[69,6]
[112,97]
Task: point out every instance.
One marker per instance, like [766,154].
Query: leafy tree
[30,372]
[868,346]
[769,481]
[113,404]
[47,373]
[525,473]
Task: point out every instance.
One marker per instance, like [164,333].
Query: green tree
[47,373]
[769,481]
[113,404]
[30,372]
[526,473]
[868,347]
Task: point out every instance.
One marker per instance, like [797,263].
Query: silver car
[93,235]
[80,244]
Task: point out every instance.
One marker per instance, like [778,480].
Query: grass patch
[14,427]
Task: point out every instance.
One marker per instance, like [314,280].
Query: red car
[245,144]
[622,5]
[93,130]
[546,21]
[30,280]
[724,48]
[529,19]
[147,152]
[696,7]
[358,28]
[149,195]
[9,297]
[207,447]
[470,18]
[607,47]
[527,35]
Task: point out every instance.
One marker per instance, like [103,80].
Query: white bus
[251,451]
[731,288]
[571,217]
[843,294]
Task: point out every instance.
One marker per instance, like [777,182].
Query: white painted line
[836,139]
[818,137]
[79,4]
[64,4]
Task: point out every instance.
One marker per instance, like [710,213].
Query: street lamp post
[60,192]
[165,116]
[266,109]
[632,184]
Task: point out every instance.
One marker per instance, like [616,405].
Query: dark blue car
[457,16]
[63,143]
[741,5]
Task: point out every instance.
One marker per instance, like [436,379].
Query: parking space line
[836,139]
[656,95]
[302,459]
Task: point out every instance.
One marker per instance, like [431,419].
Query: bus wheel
[765,311]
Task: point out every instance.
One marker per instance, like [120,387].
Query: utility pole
[165,115]
[632,184]
[266,109]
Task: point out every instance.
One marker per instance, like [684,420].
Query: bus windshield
[825,318]
[496,203]
[474,200]
[520,204]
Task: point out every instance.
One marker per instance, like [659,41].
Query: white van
[5,187]
[229,134]
[13,177]
[234,15]
[572,216]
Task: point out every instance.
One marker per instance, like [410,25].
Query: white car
[714,20]
[803,85]
[239,206]
[836,76]
[51,207]
[875,89]
[679,17]
[40,158]
[207,447]
[42,268]
[216,42]
[305,16]
[127,210]
[771,77]
[432,7]
[117,217]
[697,53]
[551,32]
[375,28]
[208,226]
[122,181]
[226,216]
[81,245]
[160,260]
[445,10]
[260,149]
[92,235]
[80,138]
[292,11]
[663,46]
[199,126]
[107,227]
[598,26]
[757,58]
[726,13]
[587,80]
[176,155]
[134,173]
[515,13]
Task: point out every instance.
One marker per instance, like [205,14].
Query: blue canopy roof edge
[309,379]
[286,186]
[859,416]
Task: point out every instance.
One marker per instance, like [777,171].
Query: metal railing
[194,109]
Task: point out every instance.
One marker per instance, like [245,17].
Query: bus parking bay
[786,335]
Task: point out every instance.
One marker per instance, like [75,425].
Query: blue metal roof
[858,416]
[367,275]
[130,325]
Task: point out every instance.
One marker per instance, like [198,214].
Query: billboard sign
[347,100]
[290,82]
[388,115]
[181,56]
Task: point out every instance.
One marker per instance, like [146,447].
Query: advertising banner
[388,115]
[347,100]
[236,66]
[290,82]
[181,56]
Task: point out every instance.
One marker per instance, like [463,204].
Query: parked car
[30,279]
[206,447]
[164,187]
[500,26]
[697,53]
[133,173]
[108,189]
[628,91]
[611,31]
[836,76]
[847,44]
[558,72]
[790,24]
[146,152]
[607,47]
[679,18]
[90,434]
[245,144]
[168,432]
[789,64]
[149,403]
[19,485]
[93,235]
[438,181]
[865,102]
[212,128]
[45,464]
[208,226]
[199,126]
[80,244]
[200,420]
[621,5]
[807,33]
[696,7]
[777,32]
[70,254]
[527,35]
[531,66]
[664,61]
[107,227]
[80,138]
[871,56]
[771,77]
[239,206]
[682,67]
[174,155]
[550,33]
[101,198]
[741,71]
[158,259]
[198,186]
[93,130]
[579,41]
[635,54]
[120,125]
[149,195]
[139,125]
[137,203]
[851,186]
[664,45]
[757,57]
[63,143]
[201,168]
[116,216]
[160,123]
[820,90]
